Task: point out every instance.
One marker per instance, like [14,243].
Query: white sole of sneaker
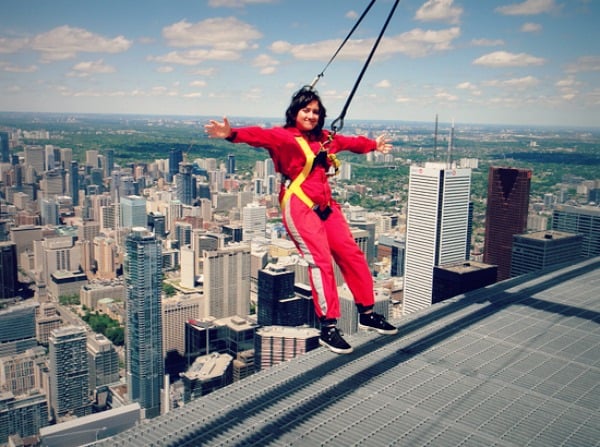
[380,331]
[334,349]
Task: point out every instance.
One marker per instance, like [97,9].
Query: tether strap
[294,187]
[320,75]
[340,119]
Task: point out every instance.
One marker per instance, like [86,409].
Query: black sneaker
[376,322]
[331,338]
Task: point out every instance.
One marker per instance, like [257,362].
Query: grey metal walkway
[514,364]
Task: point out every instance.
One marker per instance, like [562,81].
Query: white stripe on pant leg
[315,271]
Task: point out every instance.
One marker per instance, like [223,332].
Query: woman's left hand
[383,144]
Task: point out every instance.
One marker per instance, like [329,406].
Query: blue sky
[532,62]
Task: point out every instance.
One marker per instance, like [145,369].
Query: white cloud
[414,43]
[264,60]
[11,68]
[195,57]
[384,83]
[205,72]
[529,7]
[530,27]
[228,34]
[88,68]
[585,63]
[470,87]
[199,83]
[439,10]
[445,96]
[165,69]
[515,83]
[567,82]
[66,42]
[352,15]
[8,45]
[265,63]
[235,3]
[403,99]
[487,42]
[506,59]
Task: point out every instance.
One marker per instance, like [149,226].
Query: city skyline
[531,62]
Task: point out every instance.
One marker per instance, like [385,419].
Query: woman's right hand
[216,129]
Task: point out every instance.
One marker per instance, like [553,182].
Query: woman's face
[308,116]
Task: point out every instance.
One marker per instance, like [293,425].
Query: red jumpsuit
[318,241]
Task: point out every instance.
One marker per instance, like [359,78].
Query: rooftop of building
[466,266]
[208,366]
[512,364]
[580,209]
[548,235]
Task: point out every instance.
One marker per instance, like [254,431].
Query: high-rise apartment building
[227,280]
[254,221]
[437,228]
[23,415]
[276,344]
[584,220]
[506,215]
[143,277]
[69,372]
[177,311]
[103,361]
[35,157]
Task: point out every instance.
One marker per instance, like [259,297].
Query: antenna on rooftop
[450,146]
[435,136]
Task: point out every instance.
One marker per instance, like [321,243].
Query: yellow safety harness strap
[294,186]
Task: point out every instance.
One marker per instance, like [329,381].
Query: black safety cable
[340,119]
[320,75]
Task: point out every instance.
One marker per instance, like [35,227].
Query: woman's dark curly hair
[301,99]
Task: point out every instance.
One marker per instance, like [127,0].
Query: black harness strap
[320,75]
[338,123]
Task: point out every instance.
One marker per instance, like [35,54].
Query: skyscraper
[69,372]
[227,280]
[230,164]
[133,212]
[74,182]
[185,184]
[145,365]
[436,228]
[506,215]
[8,269]
[584,220]
[275,286]
[175,157]
[4,148]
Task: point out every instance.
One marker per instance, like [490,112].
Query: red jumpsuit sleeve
[256,136]
[358,145]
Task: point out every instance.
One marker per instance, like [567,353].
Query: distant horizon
[182,117]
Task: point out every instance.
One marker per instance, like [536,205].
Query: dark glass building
[506,215]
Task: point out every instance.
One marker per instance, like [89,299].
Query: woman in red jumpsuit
[314,221]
